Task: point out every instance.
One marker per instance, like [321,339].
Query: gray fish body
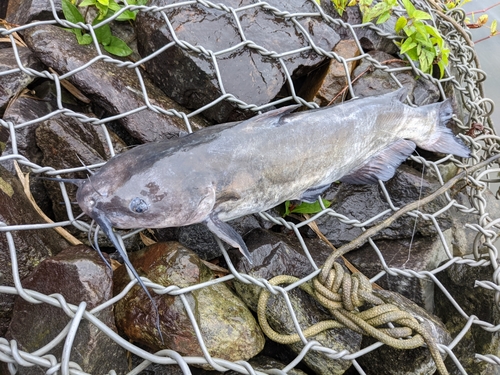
[230,170]
[238,169]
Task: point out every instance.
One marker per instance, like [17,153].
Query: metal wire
[463,75]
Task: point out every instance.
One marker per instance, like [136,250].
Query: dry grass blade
[17,38]
[26,186]
[72,89]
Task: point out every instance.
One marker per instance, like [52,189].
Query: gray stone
[22,12]
[460,281]
[117,90]
[32,246]
[389,361]
[274,254]
[13,83]
[215,307]
[377,82]
[65,143]
[190,77]
[80,276]
[362,202]
[200,239]
[421,254]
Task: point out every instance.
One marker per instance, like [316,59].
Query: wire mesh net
[462,80]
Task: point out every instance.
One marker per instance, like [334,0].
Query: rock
[117,90]
[309,312]
[368,38]
[377,82]
[460,280]
[54,138]
[78,274]
[12,84]
[22,12]
[325,84]
[31,246]
[274,254]
[389,361]
[228,328]
[190,77]
[198,238]
[424,254]
[362,202]
[259,363]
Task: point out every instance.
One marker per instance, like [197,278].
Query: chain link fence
[463,78]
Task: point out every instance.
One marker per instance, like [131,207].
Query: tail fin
[443,140]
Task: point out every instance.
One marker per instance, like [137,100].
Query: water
[489,53]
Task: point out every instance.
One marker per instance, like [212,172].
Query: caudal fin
[443,140]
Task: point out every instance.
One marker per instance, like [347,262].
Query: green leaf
[384,17]
[400,23]
[127,15]
[86,3]
[287,209]
[103,10]
[71,12]
[310,208]
[114,6]
[118,47]
[104,2]
[81,38]
[103,34]
[410,9]
[407,45]
[421,15]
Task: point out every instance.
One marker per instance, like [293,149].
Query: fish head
[145,200]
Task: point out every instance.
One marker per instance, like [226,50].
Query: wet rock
[390,361]
[368,38]
[22,12]
[65,143]
[228,328]
[191,79]
[362,202]
[421,254]
[37,103]
[200,239]
[274,254]
[377,82]
[31,246]
[117,90]
[325,84]
[460,280]
[309,312]
[259,363]
[78,274]
[13,83]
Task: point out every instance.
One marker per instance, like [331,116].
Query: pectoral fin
[383,165]
[227,234]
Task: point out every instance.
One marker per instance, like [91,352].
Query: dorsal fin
[383,165]
[271,118]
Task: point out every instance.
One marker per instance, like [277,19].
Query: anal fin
[227,234]
[383,165]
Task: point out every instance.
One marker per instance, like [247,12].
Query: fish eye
[92,202]
[138,205]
